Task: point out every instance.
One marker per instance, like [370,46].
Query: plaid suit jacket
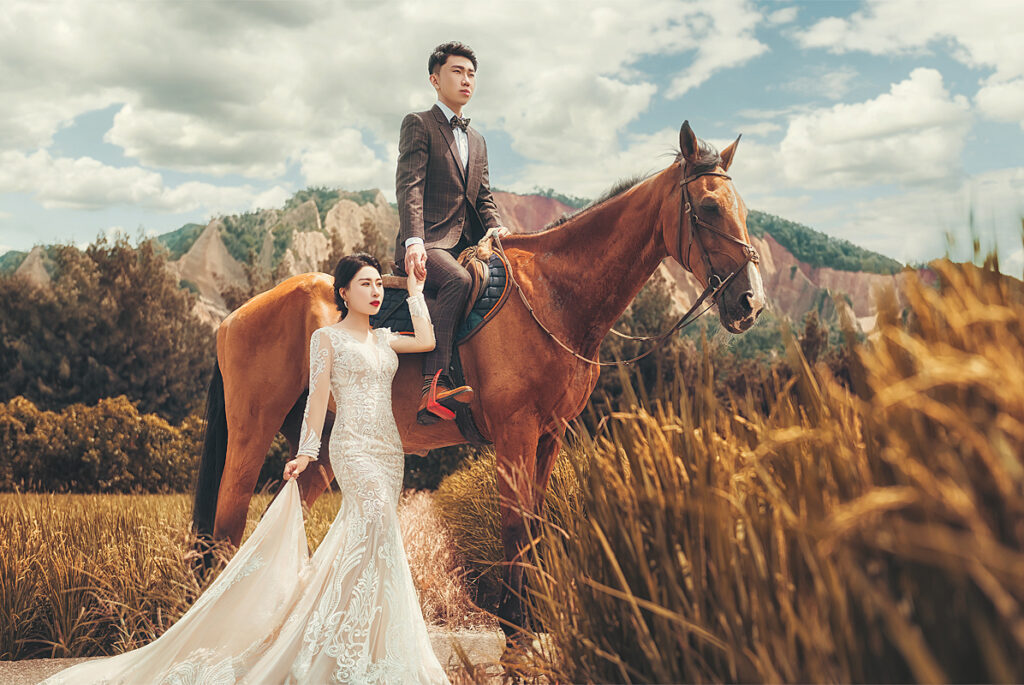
[438,199]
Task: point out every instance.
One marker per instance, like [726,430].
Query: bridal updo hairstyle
[348,267]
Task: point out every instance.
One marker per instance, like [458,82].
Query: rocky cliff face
[793,287]
[34,266]
[297,240]
[211,269]
[528,213]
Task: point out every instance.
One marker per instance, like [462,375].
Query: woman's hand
[413,283]
[296,466]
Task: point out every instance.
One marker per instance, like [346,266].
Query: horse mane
[708,158]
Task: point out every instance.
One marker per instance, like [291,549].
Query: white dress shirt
[461,142]
[461,137]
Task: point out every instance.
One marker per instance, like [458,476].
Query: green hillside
[180,240]
[244,232]
[10,261]
[817,249]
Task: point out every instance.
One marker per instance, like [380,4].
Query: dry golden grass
[437,570]
[84,575]
[466,502]
[847,536]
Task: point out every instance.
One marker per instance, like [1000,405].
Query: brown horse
[578,275]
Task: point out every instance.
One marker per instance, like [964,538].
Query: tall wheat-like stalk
[869,532]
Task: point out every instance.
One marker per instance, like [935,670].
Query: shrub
[109,447]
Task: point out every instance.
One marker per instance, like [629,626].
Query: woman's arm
[423,340]
[321,356]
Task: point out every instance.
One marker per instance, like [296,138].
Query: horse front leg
[547,452]
[516,451]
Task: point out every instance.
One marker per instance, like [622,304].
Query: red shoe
[439,401]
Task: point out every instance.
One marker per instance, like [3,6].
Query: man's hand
[416,261]
[502,231]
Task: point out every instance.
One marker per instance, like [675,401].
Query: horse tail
[211,466]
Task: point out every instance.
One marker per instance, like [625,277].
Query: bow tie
[459,122]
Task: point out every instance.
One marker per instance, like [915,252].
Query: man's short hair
[443,51]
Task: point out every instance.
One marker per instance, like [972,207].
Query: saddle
[488,292]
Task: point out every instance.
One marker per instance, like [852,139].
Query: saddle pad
[394,312]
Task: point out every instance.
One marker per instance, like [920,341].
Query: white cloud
[87,184]
[913,133]
[984,33]
[641,154]
[831,83]
[785,15]
[724,32]
[1002,101]
[195,144]
[271,199]
[762,128]
[345,161]
[778,113]
[249,88]
[756,167]
[912,224]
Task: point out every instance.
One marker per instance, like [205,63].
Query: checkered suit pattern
[437,201]
[449,207]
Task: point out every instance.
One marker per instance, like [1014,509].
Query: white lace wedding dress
[350,613]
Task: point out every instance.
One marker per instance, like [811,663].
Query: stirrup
[435,407]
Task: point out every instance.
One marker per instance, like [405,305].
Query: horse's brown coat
[580,276]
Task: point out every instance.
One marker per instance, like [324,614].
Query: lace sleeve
[321,355]
[418,306]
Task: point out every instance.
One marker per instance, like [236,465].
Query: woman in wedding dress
[348,614]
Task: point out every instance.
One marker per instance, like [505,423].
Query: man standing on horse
[444,206]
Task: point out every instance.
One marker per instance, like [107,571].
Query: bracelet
[418,306]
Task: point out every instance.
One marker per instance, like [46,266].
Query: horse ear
[728,152]
[687,141]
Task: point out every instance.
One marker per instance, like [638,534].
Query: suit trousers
[446,289]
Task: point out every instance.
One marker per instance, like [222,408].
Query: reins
[715,283]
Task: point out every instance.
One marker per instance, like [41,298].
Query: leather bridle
[714,286]
[688,213]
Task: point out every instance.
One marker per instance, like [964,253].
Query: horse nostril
[747,302]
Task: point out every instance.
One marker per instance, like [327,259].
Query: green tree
[112,321]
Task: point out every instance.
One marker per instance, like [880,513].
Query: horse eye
[711,206]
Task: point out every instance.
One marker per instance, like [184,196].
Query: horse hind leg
[248,443]
[317,477]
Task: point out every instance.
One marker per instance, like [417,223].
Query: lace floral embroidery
[221,585]
[418,306]
[309,440]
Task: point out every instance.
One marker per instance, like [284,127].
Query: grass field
[870,532]
[864,531]
[84,575]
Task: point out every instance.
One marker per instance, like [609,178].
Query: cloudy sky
[889,123]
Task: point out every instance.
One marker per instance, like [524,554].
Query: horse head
[710,238]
